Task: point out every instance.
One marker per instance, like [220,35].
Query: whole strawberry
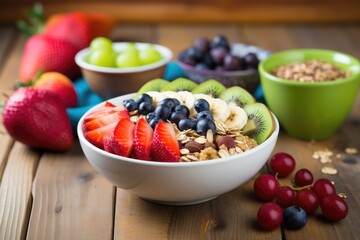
[38,119]
[60,85]
[47,54]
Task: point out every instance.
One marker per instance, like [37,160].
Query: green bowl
[310,110]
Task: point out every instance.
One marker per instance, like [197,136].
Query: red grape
[266,187]
[307,200]
[333,207]
[323,187]
[282,164]
[303,177]
[286,196]
[270,216]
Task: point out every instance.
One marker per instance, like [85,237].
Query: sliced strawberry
[123,137]
[109,104]
[165,147]
[105,120]
[143,136]
[96,137]
[105,111]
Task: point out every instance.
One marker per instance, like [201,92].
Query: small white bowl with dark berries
[178,147]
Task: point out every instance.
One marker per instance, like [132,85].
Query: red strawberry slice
[123,137]
[104,111]
[105,119]
[109,104]
[143,136]
[165,147]
[97,136]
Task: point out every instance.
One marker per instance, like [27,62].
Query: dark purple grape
[131,105]
[204,125]
[185,58]
[201,105]
[195,54]
[220,41]
[155,121]
[207,59]
[187,123]
[219,68]
[204,115]
[202,43]
[218,54]
[251,60]
[183,109]
[176,117]
[232,63]
[163,112]
[145,108]
[168,102]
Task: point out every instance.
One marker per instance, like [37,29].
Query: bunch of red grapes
[294,204]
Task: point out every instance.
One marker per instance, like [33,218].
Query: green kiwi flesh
[210,87]
[261,123]
[153,85]
[179,84]
[237,95]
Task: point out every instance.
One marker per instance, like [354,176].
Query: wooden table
[60,196]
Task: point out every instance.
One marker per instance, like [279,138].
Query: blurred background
[241,11]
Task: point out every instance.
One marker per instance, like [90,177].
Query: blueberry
[150,116]
[201,105]
[183,109]
[155,121]
[177,102]
[131,105]
[144,98]
[187,123]
[126,101]
[145,108]
[176,117]
[204,114]
[294,217]
[204,125]
[163,112]
[168,102]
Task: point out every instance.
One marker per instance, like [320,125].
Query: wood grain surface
[60,196]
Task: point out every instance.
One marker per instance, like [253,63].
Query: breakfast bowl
[311,110]
[109,82]
[247,78]
[176,183]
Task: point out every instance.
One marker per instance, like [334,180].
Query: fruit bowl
[110,82]
[248,78]
[176,183]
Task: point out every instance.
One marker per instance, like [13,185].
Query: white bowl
[111,82]
[179,183]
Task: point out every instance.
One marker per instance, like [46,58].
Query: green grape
[128,59]
[101,43]
[101,58]
[149,55]
[131,47]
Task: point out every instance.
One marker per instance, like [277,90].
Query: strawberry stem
[35,22]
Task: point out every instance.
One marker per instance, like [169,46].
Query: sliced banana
[219,109]
[238,117]
[187,99]
[156,97]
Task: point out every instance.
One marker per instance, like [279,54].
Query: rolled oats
[329,170]
[351,150]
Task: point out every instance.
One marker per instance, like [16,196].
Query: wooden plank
[190,12]
[134,33]
[10,52]
[15,192]
[70,200]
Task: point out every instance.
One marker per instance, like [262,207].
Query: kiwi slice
[153,85]
[237,95]
[179,84]
[210,87]
[260,124]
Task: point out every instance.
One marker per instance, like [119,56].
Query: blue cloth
[87,98]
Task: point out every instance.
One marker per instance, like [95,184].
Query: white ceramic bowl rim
[171,164]
[164,51]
